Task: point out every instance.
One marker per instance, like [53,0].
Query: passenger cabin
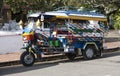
[63,22]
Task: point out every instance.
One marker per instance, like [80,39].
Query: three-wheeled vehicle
[69,32]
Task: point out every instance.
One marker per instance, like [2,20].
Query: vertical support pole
[42,20]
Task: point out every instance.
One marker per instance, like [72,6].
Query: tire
[27,58]
[89,52]
[71,56]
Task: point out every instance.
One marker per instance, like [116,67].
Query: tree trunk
[1,5]
[4,15]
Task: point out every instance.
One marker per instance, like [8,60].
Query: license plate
[71,49]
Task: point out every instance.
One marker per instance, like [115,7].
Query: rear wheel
[89,52]
[27,58]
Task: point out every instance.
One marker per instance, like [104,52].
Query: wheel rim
[89,53]
[28,59]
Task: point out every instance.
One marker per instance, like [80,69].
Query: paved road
[109,65]
[9,44]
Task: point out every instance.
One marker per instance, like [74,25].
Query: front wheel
[27,58]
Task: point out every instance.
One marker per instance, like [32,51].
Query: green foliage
[39,5]
[117,22]
[17,5]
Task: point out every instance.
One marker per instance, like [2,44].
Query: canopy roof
[72,14]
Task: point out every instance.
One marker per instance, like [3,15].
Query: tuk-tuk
[69,32]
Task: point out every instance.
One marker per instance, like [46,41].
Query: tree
[107,7]
[1,4]
[20,8]
[116,18]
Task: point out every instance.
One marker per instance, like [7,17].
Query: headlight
[24,38]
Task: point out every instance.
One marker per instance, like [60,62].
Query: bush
[117,25]
[117,22]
